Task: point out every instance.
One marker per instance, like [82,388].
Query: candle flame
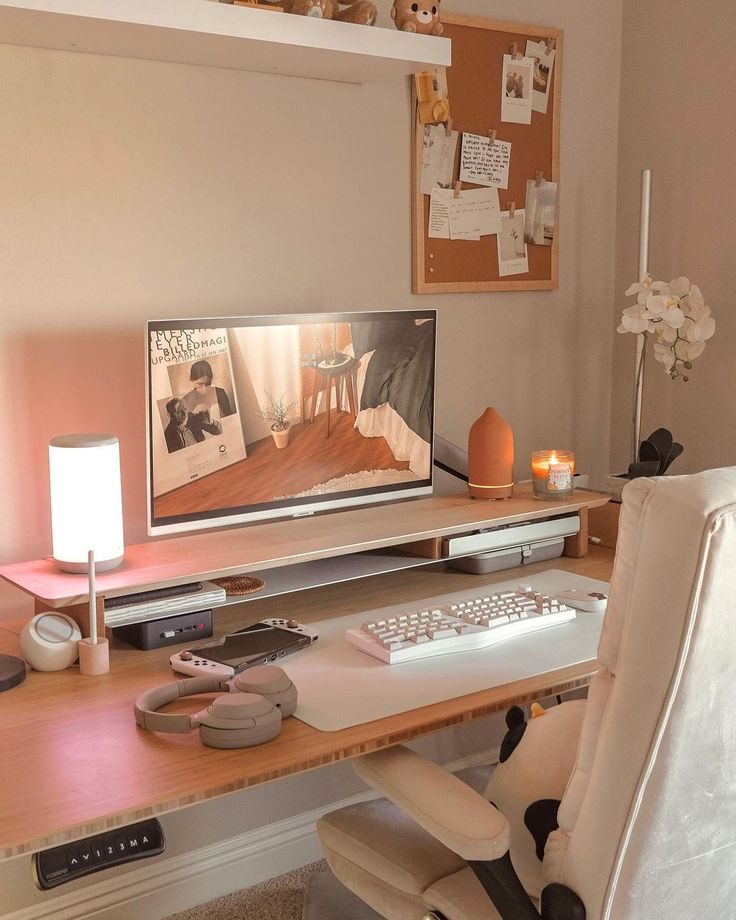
[553,458]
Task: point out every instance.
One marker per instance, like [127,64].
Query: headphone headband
[151,700]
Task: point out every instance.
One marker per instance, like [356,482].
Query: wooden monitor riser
[416,527]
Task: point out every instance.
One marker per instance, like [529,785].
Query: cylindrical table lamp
[86,501]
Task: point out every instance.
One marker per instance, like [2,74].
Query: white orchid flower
[688,351]
[667,334]
[679,287]
[636,319]
[645,286]
[665,309]
[700,330]
[694,302]
[664,354]
[676,314]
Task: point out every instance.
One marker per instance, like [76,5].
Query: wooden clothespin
[448,127]
[538,178]
[512,209]
[514,51]
[456,189]
[551,43]
[492,136]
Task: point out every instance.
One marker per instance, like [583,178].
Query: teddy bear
[417,16]
[535,763]
[362,12]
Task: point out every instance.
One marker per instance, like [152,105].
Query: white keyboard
[476,622]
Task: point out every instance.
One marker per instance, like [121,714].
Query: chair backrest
[648,820]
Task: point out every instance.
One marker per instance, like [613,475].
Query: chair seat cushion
[383,841]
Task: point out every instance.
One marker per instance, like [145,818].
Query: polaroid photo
[516,89]
[541,212]
[512,253]
[438,158]
[544,59]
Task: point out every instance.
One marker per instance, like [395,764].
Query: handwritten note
[439,213]
[484,163]
[442,207]
[474,213]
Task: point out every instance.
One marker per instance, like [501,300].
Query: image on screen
[256,417]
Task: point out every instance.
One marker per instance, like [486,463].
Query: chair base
[328,899]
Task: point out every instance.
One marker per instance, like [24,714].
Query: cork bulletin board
[474,83]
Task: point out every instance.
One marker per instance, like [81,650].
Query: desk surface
[75,763]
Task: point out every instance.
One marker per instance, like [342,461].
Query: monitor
[258,417]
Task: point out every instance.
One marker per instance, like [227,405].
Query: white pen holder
[94,657]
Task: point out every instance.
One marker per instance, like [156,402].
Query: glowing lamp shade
[86,501]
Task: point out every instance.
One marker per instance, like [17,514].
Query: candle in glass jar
[552,472]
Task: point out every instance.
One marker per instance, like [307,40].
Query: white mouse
[592,601]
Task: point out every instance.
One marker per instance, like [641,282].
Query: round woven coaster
[240,584]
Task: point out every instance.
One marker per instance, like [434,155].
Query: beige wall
[135,190]
[677,118]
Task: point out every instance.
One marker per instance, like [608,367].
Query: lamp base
[82,568]
[94,658]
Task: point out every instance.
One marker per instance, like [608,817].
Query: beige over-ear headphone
[248,713]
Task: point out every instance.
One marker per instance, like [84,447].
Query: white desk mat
[340,686]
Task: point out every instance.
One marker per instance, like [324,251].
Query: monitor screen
[271,416]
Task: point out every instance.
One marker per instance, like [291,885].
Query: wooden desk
[75,763]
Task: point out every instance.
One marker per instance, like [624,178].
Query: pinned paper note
[439,213]
[512,252]
[544,58]
[438,157]
[516,89]
[483,162]
[541,209]
[474,213]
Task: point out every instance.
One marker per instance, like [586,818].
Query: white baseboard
[157,889]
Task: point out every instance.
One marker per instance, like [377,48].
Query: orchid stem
[636,417]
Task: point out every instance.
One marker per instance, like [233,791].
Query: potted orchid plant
[674,314]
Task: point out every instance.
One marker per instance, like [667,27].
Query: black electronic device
[185,627]
[260,643]
[82,857]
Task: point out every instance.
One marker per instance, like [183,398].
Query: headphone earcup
[238,720]
[270,681]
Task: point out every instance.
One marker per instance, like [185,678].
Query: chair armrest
[443,805]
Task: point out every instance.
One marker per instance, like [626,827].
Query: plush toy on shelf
[417,16]
[362,12]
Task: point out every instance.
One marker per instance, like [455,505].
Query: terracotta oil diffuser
[490,457]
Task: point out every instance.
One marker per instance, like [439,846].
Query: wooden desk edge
[337,746]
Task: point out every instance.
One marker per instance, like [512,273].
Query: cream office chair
[645,768]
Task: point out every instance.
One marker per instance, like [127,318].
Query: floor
[310,458]
[280,898]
